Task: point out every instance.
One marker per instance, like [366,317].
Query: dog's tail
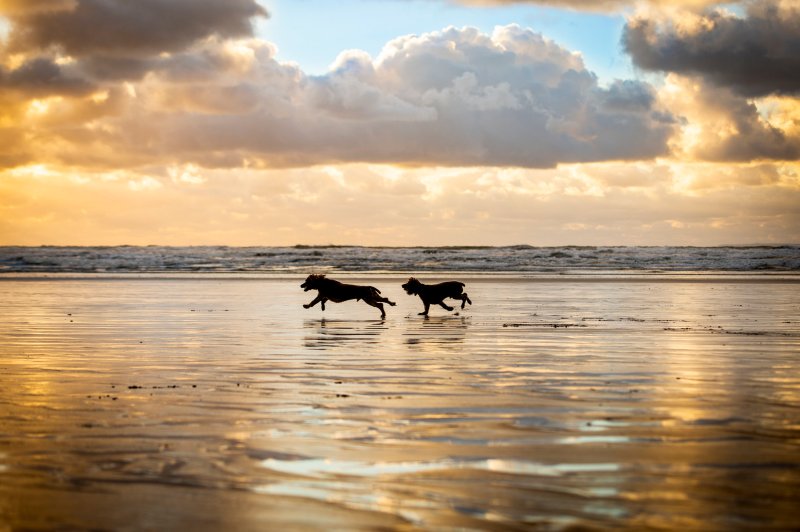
[377,295]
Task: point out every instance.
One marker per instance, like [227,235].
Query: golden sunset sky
[389,122]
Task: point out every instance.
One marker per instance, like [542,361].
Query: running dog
[337,292]
[434,294]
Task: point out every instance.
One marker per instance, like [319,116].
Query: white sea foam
[132,259]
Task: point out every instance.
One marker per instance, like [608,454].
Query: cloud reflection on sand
[321,467]
[332,484]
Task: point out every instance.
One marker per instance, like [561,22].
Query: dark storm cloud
[42,77]
[114,68]
[757,55]
[128,28]
[629,95]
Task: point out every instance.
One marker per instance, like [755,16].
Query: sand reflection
[333,334]
[436,333]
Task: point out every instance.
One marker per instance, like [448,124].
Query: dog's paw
[306,306]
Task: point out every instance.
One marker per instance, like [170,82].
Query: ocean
[331,259]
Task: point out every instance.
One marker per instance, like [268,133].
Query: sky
[399,122]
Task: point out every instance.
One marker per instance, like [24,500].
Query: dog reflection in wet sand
[435,294]
[330,290]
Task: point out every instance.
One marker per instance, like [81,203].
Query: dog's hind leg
[465,299]
[445,306]
[377,306]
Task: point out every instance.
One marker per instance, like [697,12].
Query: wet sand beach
[158,403]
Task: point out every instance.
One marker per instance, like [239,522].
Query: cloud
[454,97]
[42,77]
[21,7]
[598,5]
[13,149]
[119,27]
[351,91]
[120,40]
[722,125]
[755,55]
[600,204]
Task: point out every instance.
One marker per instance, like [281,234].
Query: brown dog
[337,292]
[434,294]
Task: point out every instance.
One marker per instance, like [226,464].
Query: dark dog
[338,292]
[434,294]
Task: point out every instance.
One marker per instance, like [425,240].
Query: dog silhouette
[435,294]
[330,290]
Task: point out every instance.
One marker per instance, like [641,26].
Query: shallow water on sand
[223,404]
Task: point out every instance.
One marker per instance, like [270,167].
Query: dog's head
[312,282]
[412,286]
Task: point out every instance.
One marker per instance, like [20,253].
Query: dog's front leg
[445,305]
[316,300]
[323,303]
[427,307]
